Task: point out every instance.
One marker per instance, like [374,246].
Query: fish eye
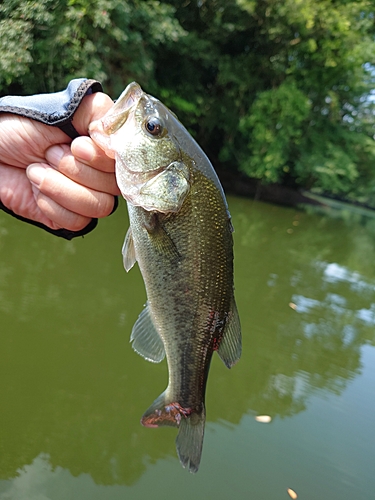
[154,126]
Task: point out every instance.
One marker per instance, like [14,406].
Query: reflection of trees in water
[70,385]
[311,308]
[72,390]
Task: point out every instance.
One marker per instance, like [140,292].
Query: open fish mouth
[100,130]
[125,103]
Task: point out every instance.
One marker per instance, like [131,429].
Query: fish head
[138,132]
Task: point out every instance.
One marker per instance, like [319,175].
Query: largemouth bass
[181,236]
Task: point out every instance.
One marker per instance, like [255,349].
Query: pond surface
[72,390]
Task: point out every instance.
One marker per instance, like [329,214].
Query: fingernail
[54,155]
[83,149]
[35,174]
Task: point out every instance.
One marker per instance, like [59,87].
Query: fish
[181,236]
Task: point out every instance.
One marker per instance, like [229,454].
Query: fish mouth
[101,130]
[119,112]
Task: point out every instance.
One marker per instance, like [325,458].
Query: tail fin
[189,440]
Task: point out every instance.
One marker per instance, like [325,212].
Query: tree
[44,43]
[277,89]
[283,88]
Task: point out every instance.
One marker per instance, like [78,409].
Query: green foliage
[15,44]
[281,88]
[110,40]
[273,130]
[276,89]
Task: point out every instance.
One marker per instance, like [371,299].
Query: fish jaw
[102,130]
[149,169]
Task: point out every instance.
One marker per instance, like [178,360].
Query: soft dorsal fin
[128,251]
[231,345]
[145,339]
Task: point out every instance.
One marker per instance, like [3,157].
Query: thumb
[92,108]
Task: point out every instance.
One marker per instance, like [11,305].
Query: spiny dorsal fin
[128,251]
[145,338]
[231,345]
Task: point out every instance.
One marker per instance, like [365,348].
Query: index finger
[85,150]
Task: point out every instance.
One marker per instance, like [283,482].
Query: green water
[72,390]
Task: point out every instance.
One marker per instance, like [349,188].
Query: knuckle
[105,205]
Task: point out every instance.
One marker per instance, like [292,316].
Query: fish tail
[189,440]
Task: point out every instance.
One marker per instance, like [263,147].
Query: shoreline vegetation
[277,194]
[278,91]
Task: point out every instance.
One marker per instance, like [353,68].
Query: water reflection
[40,481]
[72,390]
[305,305]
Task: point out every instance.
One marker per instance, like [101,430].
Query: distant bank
[242,185]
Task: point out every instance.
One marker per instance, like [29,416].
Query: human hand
[47,178]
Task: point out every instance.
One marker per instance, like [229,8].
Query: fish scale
[181,236]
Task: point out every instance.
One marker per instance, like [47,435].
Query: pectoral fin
[145,338]
[161,240]
[231,345]
[128,251]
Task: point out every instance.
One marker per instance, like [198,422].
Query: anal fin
[230,346]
